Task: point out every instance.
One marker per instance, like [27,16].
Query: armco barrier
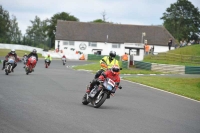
[166,68]
[125,64]
[142,65]
[98,57]
[192,70]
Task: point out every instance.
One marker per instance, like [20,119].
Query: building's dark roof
[117,33]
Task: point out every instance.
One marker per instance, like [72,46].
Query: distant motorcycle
[24,59]
[64,61]
[47,62]
[30,64]
[9,65]
[99,93]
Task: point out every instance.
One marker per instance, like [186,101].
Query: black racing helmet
[112,54]
[34,51]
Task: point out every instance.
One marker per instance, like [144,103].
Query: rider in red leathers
[33,53]
[112,73]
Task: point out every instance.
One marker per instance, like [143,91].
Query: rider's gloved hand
[101,78]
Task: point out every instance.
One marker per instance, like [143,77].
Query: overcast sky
[138,12]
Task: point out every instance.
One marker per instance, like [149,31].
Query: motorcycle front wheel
[99,101]
[84,100]
[27,70]
[6,72]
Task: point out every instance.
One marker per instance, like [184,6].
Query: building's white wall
[106,48]
[159,49]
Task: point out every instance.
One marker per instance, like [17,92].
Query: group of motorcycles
[31,64]
[96,97]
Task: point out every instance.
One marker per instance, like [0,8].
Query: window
[65,43]
[114,45]
[92,44]
[135,51]
[71,43]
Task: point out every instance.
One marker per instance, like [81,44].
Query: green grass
[20,53]
[188,50]
[192,50]
[188,87]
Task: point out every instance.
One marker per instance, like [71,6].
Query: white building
[101,38]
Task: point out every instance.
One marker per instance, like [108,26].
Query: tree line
[181,19]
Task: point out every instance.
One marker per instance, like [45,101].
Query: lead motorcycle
[99,93]
[30,64]
[9,65]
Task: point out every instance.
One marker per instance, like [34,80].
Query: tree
[103,20]
[99,21]
[37,33]
[53,23]
[182,20]
[15,33]
[4,25]
[9,30]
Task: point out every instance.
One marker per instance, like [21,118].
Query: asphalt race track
[49,101]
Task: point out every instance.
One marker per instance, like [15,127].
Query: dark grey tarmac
[49,101]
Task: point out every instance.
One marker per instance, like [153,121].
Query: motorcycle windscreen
[109,84]
[11,60]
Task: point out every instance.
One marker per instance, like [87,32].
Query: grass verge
[188,87]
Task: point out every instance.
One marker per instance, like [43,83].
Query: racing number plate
[111,82]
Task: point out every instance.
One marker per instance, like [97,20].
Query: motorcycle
[9,65]
[30,64]
[47,62]
[24,59]
[99,93]
[64,61]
